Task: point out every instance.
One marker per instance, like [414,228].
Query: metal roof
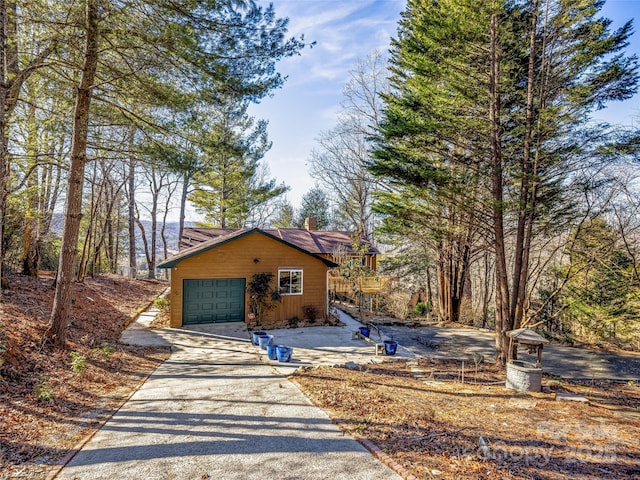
[227,236]
[312,241]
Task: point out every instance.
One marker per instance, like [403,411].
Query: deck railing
[348,286]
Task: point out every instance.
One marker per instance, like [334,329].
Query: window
[290,281]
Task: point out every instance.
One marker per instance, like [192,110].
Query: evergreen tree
[228,185]
[284,216]
[600,298]
[315,204]
[25,48]
[487,126]
[431,143]
[164,55]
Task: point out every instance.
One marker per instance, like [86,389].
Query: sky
[346,31]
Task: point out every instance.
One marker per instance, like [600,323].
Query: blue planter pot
[284,353]
[255,335]
[272,352]
[264,341]
[364,331]
[390,347]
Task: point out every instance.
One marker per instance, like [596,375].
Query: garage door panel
[213,300]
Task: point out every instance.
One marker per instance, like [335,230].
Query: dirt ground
[438,421]
[51,399]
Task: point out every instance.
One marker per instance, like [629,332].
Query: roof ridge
[222,239]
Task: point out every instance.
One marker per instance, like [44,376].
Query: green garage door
[213,300]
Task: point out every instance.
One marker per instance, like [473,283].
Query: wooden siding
[245,256]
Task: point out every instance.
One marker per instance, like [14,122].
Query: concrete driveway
[219,408]
[571,363]
[216,409]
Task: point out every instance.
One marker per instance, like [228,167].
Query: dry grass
[435,426]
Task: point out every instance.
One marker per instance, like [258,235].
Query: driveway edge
[74,451]
[365,442]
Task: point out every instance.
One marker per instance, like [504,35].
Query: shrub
[262,296]
[397,304]
[104,349]
[162,303]
[310,313]
[421,309]
[43,389]
[293,322]
[78,362]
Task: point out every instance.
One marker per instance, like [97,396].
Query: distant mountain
[172,230]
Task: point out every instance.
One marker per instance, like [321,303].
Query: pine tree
[431,143]
[488,121]
[315,204]
[600,298]
[164,53]
[284,215]
[228,185]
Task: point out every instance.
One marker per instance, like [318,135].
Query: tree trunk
[85,256]
[31,244]
[49,192]
[486,294]
[151,274]
[165,247]
[4,153]
[429,289]
[114,240]
[453,267]
[133,265]
[503,323]
[73,211]
[183,203]
[520,314]
[521,257]
[143,237]
[12,79]
[163,229]
[109,247]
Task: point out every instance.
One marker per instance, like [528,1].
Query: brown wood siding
[237,259]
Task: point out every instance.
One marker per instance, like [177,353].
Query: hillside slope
[50,399]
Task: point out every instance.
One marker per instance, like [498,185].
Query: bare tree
[160,184]
[339,164]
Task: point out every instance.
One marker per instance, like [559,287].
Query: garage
[213,300]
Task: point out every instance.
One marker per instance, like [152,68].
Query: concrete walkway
[217,409]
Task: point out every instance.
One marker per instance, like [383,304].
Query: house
[210,274]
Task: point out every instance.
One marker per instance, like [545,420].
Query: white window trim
[292,269]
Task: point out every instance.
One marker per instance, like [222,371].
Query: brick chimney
[310,223]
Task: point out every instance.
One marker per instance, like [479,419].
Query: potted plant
[262,296]
[390,346]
